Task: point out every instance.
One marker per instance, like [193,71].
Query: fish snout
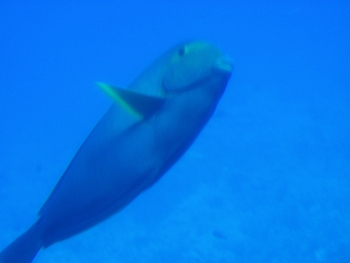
[224,65]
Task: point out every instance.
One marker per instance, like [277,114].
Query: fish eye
[182,51]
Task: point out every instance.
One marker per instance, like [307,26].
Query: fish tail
[24,248]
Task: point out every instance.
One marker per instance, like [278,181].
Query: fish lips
[223,65]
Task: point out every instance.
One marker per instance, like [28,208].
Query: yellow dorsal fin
[135,103]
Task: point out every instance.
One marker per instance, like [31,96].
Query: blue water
[268,179]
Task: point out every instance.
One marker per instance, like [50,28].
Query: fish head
[182,68]
[193,63]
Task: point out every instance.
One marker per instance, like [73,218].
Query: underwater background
[268,179]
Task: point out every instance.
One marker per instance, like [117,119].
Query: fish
[149,126]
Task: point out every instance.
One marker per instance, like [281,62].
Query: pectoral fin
[135,103]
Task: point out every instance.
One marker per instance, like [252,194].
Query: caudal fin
[23,249]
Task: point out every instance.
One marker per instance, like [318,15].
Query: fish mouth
[224,65]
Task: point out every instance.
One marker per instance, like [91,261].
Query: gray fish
[146,130]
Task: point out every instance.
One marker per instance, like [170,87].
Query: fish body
[146,130]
